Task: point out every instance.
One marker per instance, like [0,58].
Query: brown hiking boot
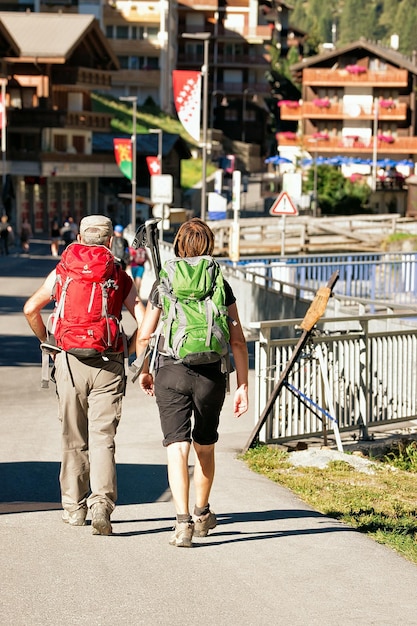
[204,523]
[183,535]
[101,519]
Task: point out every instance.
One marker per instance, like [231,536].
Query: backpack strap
[60,307]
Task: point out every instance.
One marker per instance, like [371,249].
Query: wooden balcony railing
[89,77]
[340,111]
[349,145]
[341,77]
[88,120]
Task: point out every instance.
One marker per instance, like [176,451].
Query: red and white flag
[153,165]
[187,98]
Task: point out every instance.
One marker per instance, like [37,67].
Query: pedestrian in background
[90,388]
[55,237]
[137,260]
[6,235]
[183,392]
[120,246]
[25,235]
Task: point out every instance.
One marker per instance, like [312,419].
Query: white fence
[360,372]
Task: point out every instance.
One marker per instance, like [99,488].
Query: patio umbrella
[277,160]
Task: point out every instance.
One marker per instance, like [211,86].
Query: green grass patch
[382,504]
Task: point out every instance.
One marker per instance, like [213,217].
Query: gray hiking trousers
[90,394]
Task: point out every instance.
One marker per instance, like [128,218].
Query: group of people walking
[91,382]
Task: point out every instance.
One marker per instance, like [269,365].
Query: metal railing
[360,371]
[385,277]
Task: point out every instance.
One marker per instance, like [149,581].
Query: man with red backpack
[89,290]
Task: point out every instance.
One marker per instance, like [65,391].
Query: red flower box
[355,69]
[387,104]
[287,134]
[291,104]
[386,138]
[322,103]
[320,136]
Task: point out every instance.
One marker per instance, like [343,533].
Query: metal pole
[3,131]
[133,216]
[204,71]
[134,101]
[315,184]
[375,144]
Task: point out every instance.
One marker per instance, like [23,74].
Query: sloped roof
[53,37]
[326,59]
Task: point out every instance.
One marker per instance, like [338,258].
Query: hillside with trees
[344,21]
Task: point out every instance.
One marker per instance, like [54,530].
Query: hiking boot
[183,535]
[101,519]
[204,523]
[75,518]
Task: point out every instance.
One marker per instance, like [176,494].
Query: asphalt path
[271,559]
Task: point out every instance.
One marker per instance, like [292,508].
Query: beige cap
[94,223]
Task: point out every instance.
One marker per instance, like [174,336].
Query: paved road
[271,560]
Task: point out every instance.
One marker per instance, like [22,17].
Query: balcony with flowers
[322,103]
[290,109]
[355,69]
[340,77]
[335,144]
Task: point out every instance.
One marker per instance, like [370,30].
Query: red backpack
[86,319]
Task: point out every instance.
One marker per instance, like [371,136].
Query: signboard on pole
[161,188]
[283,205]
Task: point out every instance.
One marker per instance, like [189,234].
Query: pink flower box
[387,104]
[355,69]
[287,134]
[320,136]
[322,103]
[386,138]
[291,104]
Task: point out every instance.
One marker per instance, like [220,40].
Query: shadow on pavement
[31,482]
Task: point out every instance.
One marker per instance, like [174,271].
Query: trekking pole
[147,235]
[314,313]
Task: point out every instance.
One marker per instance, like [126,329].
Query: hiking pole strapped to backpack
[146,235]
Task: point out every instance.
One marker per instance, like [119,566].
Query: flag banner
[153,165]
[123,156]
[187,98]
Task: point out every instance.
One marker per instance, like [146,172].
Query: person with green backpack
[192,318]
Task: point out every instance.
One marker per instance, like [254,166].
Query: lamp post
[134,102]
[315,177]
[205,37]
[246,92]
[375,144]
[159,132]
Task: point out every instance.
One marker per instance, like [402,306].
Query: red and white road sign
[283,205]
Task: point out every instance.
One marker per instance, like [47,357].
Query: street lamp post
[205,37]
[375,144]
[159,132]
[134,101]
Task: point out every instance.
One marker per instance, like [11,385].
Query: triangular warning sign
[283,205]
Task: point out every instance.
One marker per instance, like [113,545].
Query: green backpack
[194,324]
